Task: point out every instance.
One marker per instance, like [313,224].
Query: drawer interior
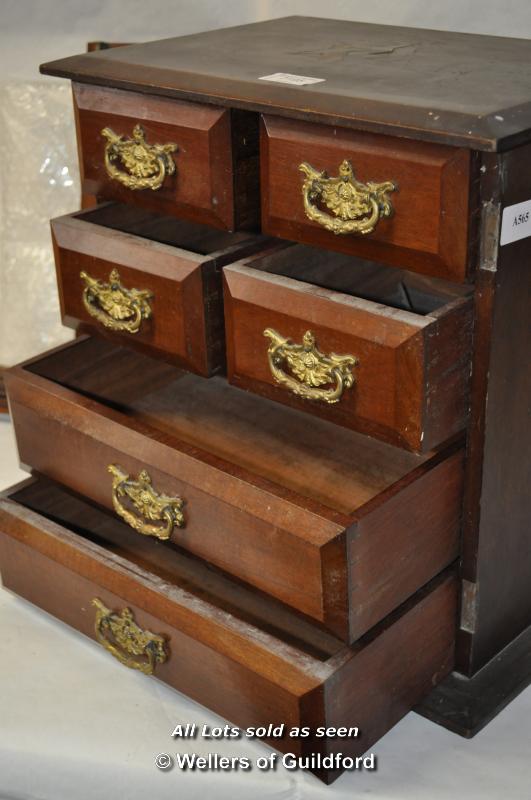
[339,468]
[173,566]
[191,236]
[379,283]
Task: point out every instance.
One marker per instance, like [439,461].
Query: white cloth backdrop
[38,180]
[74,723]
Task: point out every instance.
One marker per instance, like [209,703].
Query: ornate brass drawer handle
[357,207]
[311,369]
[159,513]
[122,637]
[143,165]
[113,305]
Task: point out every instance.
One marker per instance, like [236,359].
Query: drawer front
[197,648]
[287,551]
[236,668]
[392,374]
[403,203]
[169,156]
[161,299]
[286,544]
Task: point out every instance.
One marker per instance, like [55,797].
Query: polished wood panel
[496,603]
[178,262]
[429,228]
[171,564]
[260,677]
[411,336]
[216,176]
[288,512]
[351,692]
[433,85]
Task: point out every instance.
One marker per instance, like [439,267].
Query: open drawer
[380,350]
[150,282]
[160,611]
[336,525]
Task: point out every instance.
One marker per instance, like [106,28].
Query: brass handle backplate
[158,514]
[356,207]
[114,306]
[136,164]
[311,370]
[118,633]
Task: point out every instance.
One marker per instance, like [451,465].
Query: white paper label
[516,222]
[294,80]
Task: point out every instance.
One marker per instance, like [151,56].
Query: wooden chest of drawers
[290,478]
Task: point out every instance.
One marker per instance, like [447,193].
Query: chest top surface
[456,88]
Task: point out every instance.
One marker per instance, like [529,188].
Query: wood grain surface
[214,176]
[268,499]
[179,263]
[428,231]
[411,337]
[261,677]
[496,604]
[438,86]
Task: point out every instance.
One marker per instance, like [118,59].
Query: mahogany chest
[285,465]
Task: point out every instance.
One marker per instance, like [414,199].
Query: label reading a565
[516,222]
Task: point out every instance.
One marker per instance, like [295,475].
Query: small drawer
[150,282]
[336,525]
[189,160]
[381,198]
[379,350]
[243,656]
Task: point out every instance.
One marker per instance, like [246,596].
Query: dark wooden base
[465,705]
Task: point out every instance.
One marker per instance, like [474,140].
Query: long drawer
[383,351]
[242,655]
[147,281]
[336,525]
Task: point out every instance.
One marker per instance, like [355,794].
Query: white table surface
[76,725]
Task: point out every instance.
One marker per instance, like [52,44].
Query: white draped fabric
[38,180]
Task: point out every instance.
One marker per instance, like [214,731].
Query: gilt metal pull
[142,165]
[113,305]
[134,647]
[311,370]
[158,513]
[357,207]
